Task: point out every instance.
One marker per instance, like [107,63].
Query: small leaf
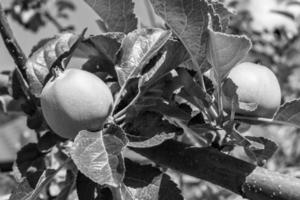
[161,188]
[38,65]
[138,48]
[222,13]
[98,155]
[135,176]
[117,15]
[31,164]
[289,113]
[226,50]
[260,154]
[47,141]
[189,21]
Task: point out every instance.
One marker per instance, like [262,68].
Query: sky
[83,17]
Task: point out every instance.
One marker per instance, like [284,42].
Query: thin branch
[209,164]
[11,44]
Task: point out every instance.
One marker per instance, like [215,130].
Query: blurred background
[272,25]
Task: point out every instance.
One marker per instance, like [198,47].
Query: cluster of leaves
[34,14]
[157,78]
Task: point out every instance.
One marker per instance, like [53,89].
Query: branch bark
[11,44]
[209,164]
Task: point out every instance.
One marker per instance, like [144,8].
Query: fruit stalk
[209,164]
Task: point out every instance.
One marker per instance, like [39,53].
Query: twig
[59,27]
[209,164]
[11,44]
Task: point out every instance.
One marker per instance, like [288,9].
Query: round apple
[256,85]
[75,100]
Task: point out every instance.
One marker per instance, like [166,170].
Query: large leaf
[138,48]
[226,50]
[189,21]
[98,155]
[117,15]
[149,129]
[38,65]
[106,44]
[135,176]
[101,52]
[289,113]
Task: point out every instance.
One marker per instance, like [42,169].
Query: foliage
[167,87]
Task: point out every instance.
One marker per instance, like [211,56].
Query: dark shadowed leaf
[117,15]
[161,188]
[173,54]
[189,21]
[226,50]
[31,164]
[149,129]
[264,151]
[85,187]
[101,51]
[138,48]
[38,65]
[289,113]
[135,176]
[98,155]
[106,44]
[48,140]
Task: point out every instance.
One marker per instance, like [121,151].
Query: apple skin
[75,100]
[255,84]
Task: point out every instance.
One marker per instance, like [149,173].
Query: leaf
[222,13]
[289,113]
[98,155]
[101,52]
[149,129]
[38,65]
[31,164]
[138,48]
[47,141]
[106,44]
[172,55]
[85,187]
[135,176]
[118,15]
[260,154]
[225,51]
[189,21]
[161,188]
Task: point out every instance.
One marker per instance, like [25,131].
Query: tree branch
[231,173]
[11,44]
